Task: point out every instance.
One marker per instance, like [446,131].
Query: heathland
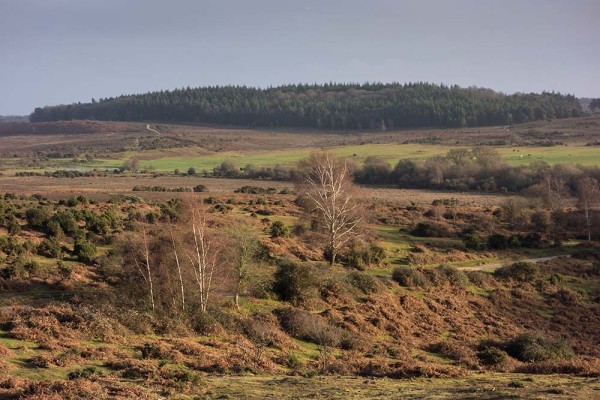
[160,260]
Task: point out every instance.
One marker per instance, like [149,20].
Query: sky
[65,51]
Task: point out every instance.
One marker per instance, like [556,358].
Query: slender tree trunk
[587,222]
[178,271]
[147,256]
[333,251]
[236,298]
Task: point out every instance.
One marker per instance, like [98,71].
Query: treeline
[477,169]
[62,173]
[327,106]
[196,189]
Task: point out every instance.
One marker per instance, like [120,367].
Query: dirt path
[495,266]
[152,129]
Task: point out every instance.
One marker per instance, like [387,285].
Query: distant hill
[14,118]
[327,106]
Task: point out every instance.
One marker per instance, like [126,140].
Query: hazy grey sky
[64,51]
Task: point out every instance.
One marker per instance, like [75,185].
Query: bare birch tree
[204,256]
[556,190]
[178,268]
[327,182]
[588,194]
[243,250]
[145,272]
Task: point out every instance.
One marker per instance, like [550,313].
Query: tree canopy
[343,106]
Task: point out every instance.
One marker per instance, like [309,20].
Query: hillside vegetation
[328,106]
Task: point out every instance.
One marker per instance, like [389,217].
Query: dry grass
[104,188]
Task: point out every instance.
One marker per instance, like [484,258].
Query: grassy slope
[181,146]
[585,155]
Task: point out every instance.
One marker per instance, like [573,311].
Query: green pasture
[154,159]
[585,155]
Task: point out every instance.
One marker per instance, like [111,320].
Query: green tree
[84,250]
[279,229]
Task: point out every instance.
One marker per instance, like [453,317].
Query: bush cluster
[295,282]
[519,271]
[426,277]
[533,346]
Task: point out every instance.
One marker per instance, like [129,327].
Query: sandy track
[495,266]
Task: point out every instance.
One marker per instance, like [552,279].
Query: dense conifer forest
[328,106]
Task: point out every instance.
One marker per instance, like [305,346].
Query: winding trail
[495,266]
[152,129]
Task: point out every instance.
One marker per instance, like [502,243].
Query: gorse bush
[38,217]
[410,277]
[451,275]
[50,247]
[279,229]
[365,283]
[519,271]
[84,250]
[430,229]
[481,279]
[360,256]
[473,241]
[84,373]
[310,327]
[533,346]
[497,241]
[426,277]
[295,282]
[492,356]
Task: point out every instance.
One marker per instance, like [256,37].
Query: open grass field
[484,386]
[181,146]
[183,158]
[158,160]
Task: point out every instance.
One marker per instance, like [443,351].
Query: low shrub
[21,269]
[310,327]
[84,373]
[473,241]
[134,369]
[365,283]
[360,256]
[84,250]
[481,279]
[40,361]
[154,351]
[50,248]
[430,229]
[492,356]
[450,275]
[567,296]
[279,229]
[410,277]
[519,271]
[497,241]
[179,373]
[577,366]
[259,332]
[451,349]
[295,282]
[532,240]
[204,323]
[533,346]
[255,190]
